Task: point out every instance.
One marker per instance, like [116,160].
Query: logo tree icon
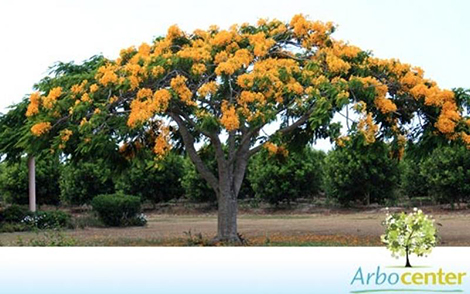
[409,233]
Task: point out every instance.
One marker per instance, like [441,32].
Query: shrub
[447,170]
[286,178]
[154,183]
[14,181]
[14,214]
[81,181]
[117,209]
[361,173]
[48,220]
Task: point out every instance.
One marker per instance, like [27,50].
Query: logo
[407,234]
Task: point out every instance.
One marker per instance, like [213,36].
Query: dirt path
[454,229]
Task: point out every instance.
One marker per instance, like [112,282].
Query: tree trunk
[227,218]
[407,258]
[32,183]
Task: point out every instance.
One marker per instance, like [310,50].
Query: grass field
[335,228]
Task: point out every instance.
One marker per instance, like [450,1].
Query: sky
[35,34]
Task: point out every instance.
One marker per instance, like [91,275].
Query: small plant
[409,233]
[48,239]
[118,210]
[196,239]
[48,220]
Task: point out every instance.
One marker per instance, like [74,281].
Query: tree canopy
[224,86]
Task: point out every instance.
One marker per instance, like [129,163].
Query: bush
[447,170]
[117,209]
[48,220]
[154,184]
[361,173]
[81,181]
[18,218]
[14,214]
[277,179]
[14,181]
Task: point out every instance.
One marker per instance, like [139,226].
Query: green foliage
[447,170]
[413,181]
[14,181]
[48,220]
[156,182]
[14,214]
[118,209]
[18,218]
[81,181]
[48,239]
[409,233]
[195,187]
[277,179]
[361,173]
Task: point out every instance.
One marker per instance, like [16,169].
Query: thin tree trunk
[32,183]
[407,257]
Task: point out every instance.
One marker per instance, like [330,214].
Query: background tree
[360,172]
[14,181]
[409,233]
[81,181]
[231,87]
[447,172]
[278,176]
[153,182]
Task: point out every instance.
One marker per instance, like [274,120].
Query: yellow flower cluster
[261,44]
[368,128]
[222,38]
[241,58]
[313,33]
[147,104]
[341,141]
[174,32]
[208,88]
[78,88]
[229,117]
[446,121]
[158,70]
[65,135]
[40,128]
[341,49]
[385,105]
[94,88]
[49,101]
[85,98]
[198,69]
[336,65]
[178,84]
[161,98]
[33,107]
[273,149]
[144,93]
[107,74]
[197,51]
[162,145]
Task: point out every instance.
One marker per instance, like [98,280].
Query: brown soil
[453,227]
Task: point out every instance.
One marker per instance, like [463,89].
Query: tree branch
[188,140]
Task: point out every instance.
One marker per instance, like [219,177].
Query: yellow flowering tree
[224,87]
